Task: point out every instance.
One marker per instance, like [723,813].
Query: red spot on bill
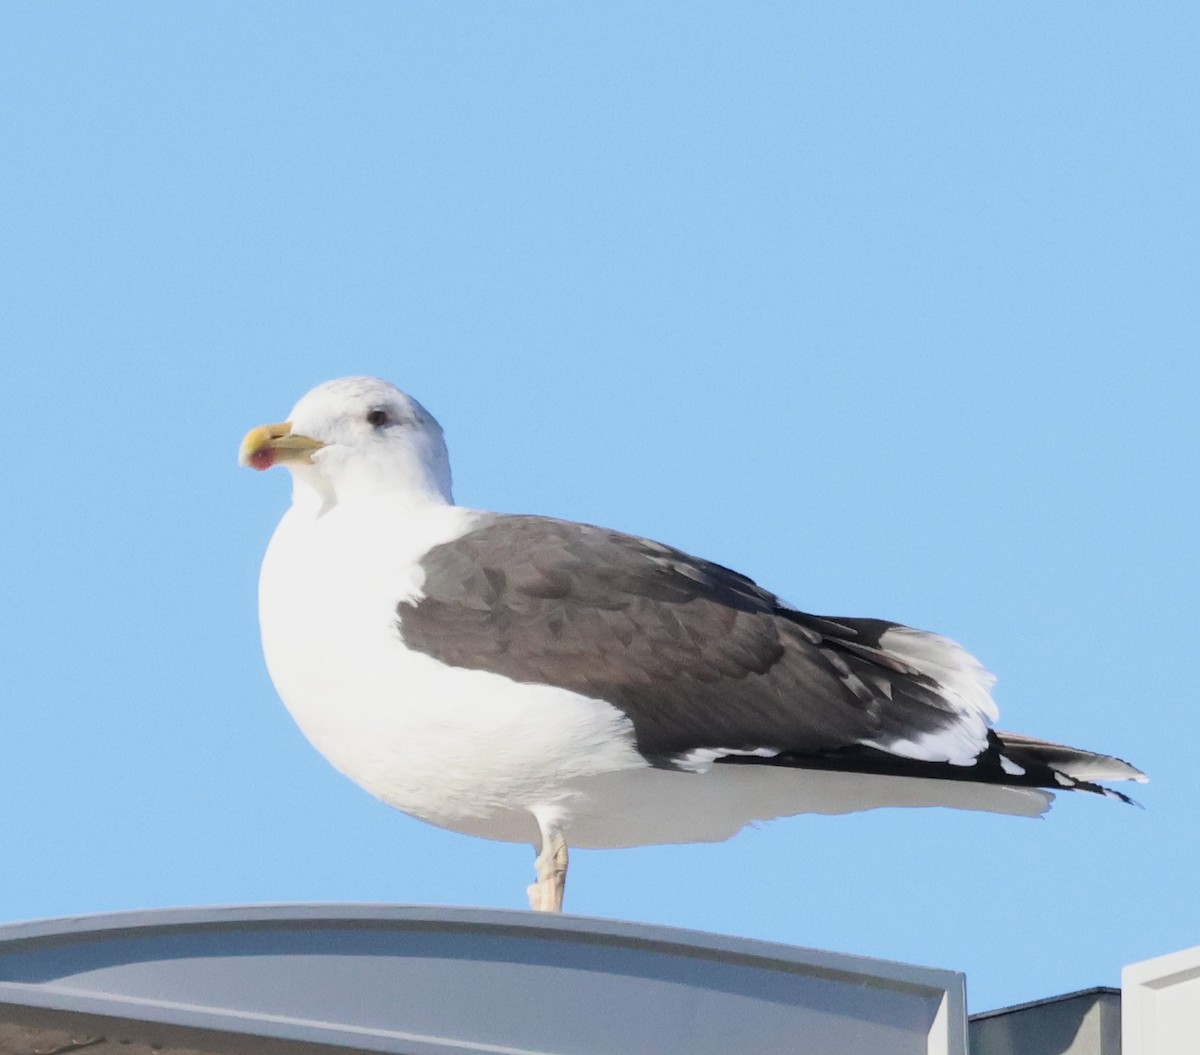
[263,458]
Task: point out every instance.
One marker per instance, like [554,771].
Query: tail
[1056,765]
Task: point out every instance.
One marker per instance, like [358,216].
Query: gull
[528,679]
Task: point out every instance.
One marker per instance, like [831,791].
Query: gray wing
[698,657]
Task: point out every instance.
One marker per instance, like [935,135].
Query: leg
[546,895]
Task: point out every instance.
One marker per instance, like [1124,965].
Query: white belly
[463,749]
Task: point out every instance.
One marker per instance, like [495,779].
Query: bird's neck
[411,484]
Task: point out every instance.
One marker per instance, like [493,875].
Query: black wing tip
[872,760]
[1069,783]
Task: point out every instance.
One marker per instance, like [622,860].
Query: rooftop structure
[314,979]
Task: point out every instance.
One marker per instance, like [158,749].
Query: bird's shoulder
[521,559]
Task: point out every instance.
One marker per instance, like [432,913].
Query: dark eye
[377,417]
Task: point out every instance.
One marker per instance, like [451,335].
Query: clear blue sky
[893,307]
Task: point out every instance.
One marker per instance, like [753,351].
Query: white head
[356,437]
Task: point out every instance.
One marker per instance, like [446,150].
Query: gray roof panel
[431,981]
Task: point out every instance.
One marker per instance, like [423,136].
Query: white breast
[464,749]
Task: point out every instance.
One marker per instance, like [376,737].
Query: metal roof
[434,981]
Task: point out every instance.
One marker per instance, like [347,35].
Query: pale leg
[546,895]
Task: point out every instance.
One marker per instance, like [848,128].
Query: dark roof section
[435,981]
[1087,1022]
